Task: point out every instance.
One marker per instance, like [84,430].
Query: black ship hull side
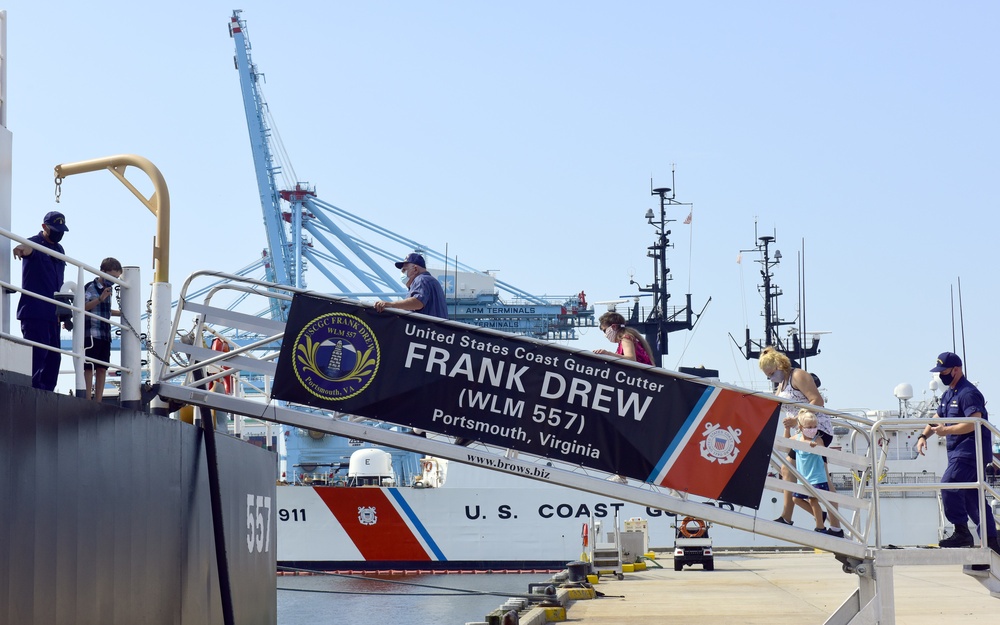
[105,517]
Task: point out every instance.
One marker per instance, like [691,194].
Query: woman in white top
[798,386]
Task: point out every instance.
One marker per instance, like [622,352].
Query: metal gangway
[251,363]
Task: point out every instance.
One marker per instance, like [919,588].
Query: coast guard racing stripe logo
[336,356]
[723,448]
[380,524]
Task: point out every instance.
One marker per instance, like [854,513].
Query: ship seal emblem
[336,356]
[720,445]
[366,515]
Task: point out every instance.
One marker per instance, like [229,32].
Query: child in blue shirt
[811,466]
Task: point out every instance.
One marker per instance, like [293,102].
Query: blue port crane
[352,253]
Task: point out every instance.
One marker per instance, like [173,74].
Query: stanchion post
[79,338]
[131,345]
[159,340]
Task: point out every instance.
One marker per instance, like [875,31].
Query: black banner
[446,377]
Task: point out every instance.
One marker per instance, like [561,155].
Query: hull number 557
[258,523]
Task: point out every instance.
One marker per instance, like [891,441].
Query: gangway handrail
[231,359]
[274,293]
[859,553]
[980,485]
[858,547]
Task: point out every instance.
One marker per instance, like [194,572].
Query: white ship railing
[129,298]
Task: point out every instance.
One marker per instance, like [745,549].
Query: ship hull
[373,528]
[496,522]
[108,517]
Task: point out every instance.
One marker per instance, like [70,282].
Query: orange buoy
[686,530]
[220,345]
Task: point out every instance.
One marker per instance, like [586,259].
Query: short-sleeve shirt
[98,329]
[965,400]
[41,274]
[429,291]
[810,465]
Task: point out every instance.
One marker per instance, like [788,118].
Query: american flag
[687,219]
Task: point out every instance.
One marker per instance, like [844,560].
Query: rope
[448,591]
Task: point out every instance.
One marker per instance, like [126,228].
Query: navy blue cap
[947,360]
[56,221]
[414,258]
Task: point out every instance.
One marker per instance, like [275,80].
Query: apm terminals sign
[571,406]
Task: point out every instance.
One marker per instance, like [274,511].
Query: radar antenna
[792,346]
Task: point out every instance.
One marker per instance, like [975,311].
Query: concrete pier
[793,588]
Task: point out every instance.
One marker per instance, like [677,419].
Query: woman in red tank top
[631,344]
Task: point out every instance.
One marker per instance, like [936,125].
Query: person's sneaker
[961,538]
[836,532]
[781,519]
[979,567]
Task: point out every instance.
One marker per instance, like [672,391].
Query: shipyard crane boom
[279,267]
[309,229]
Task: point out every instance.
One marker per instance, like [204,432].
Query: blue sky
[523,135]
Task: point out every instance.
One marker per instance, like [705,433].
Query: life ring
[585,534]
[427,465]
[686,531]
[220,345]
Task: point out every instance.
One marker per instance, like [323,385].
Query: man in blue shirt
[42,274]
[961,399]
[426,293]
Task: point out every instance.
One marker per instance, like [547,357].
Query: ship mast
[661,320]
[792,347]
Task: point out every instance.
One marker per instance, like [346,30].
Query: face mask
[809,432]
[611,333]
[947,378]
[55,235]
[777,377]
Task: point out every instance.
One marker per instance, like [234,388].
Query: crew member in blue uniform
[42,274]
[426,293]
[961,399]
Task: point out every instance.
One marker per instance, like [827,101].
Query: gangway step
[934,555]
[989,578]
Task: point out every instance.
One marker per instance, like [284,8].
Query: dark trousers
[962,504]
[44,364]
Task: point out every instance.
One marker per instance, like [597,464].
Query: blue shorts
[821,486]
